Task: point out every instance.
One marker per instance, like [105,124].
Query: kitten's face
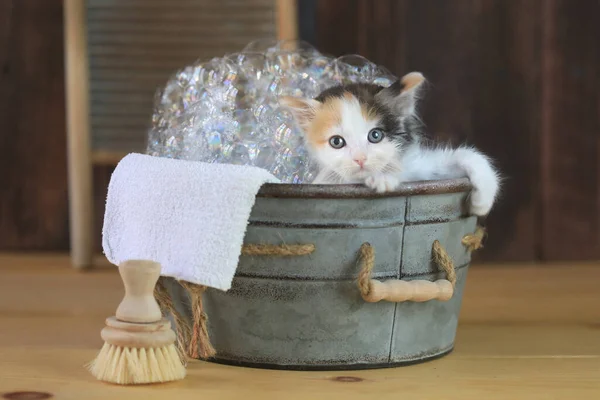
[356,131]
[352,136]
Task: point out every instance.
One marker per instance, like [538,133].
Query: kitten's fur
[352,111]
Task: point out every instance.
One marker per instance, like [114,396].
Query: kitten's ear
[402,95]
[304,110]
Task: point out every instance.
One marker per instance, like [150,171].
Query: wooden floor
[525,332]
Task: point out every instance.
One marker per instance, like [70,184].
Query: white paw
[483,195]
[484,178]
[382,183]
[481,203]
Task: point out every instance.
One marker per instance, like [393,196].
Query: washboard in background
[117,53]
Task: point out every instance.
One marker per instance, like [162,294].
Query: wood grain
[287,19]
[79,149]
[505,111]
[33,193]
[570,218]
[525,332]
[336,26]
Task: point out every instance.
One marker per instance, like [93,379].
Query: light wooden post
[78,133]
[287,20]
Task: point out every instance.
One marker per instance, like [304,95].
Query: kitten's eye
[337,142]
[375,135]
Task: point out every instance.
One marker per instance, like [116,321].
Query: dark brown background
[517,78]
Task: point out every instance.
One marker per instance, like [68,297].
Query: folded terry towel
[188,216]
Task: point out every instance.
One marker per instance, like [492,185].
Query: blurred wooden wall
[518,78]
[33,171]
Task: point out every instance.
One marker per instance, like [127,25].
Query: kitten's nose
[360,161]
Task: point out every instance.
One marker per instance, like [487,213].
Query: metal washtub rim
[310,191]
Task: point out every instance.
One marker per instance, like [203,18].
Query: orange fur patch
[327,116]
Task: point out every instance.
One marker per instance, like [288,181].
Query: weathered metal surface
[306,312]
[360,191]
[298,322]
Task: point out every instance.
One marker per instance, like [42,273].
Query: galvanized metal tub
[306,312]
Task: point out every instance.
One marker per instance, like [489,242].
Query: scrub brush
[139,343]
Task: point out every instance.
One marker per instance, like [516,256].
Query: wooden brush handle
[418,291]
[127,334]
[139,304]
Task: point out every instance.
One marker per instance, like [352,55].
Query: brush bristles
[126,365]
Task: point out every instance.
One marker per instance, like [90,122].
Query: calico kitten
[364,133]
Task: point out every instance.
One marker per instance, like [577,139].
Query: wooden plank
[454,378]
[532,339]
[399,13]
[505,113]
[571,124]
[383,33]
[336,22]
[78,133]
[287,19]
[33,193]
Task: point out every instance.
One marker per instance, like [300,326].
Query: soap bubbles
[226,110]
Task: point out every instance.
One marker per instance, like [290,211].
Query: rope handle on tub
[472,241]
[277,249]
[395,290]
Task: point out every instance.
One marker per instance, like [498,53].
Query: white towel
[190,217]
